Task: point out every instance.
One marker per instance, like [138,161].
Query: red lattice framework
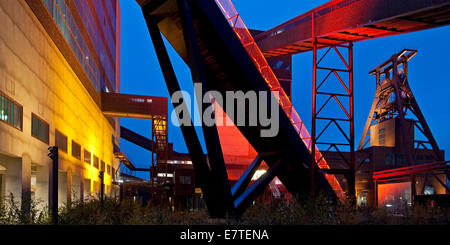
[323,96]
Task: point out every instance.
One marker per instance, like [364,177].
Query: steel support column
[101,176]
[413,188]
[375,192]
[53,184]
[313,122]
[222,192]
[190,136]
[346,110]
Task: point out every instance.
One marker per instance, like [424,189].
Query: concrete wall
[35,74]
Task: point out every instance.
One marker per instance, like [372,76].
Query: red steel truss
[323,96]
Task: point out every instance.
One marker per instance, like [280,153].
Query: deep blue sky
[428,72]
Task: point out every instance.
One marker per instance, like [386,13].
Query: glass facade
[99,21]
[11,112]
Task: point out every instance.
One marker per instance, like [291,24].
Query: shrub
[318,211]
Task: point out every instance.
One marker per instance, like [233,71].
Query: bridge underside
[352,21]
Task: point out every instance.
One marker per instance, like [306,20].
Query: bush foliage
[307,212]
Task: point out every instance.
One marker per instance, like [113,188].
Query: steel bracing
[142,107]
[394,99]
[212,39]
[324,94]
[219,60]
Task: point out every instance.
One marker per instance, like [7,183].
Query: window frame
[71,149]
[183,179]
[19,105]
[98,162]
[42,120]
[67,141]
[84,156]
[102,166]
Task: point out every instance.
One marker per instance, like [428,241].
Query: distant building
[171,185]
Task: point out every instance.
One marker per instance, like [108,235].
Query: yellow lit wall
[35,74]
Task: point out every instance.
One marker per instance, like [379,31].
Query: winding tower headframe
[394,100]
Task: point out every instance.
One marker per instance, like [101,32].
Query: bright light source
[388,205]
[3,115]
[258,174]
[164,175]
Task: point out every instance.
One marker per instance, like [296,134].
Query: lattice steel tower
[395,103]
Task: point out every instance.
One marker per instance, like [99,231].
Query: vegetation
[309,212]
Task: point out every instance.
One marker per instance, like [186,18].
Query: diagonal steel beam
[248,196]
[136,138]
[201,168]
[222,193]
[246,177]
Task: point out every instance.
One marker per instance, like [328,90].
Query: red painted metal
[394,180]
[343,21]
[346,114]
[133,106]
[423,168]
[411,167]
[253,50]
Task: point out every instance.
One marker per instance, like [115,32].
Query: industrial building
[60,88]
[57,58]
[224,55]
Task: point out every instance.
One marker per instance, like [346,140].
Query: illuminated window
[61,141]
[39,128]
[10,112]
[108,169]
[102,166]
[87,157]
[76,150]
[428,190]
[165,175]
[96,163]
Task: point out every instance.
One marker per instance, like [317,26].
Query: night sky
[428,72]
